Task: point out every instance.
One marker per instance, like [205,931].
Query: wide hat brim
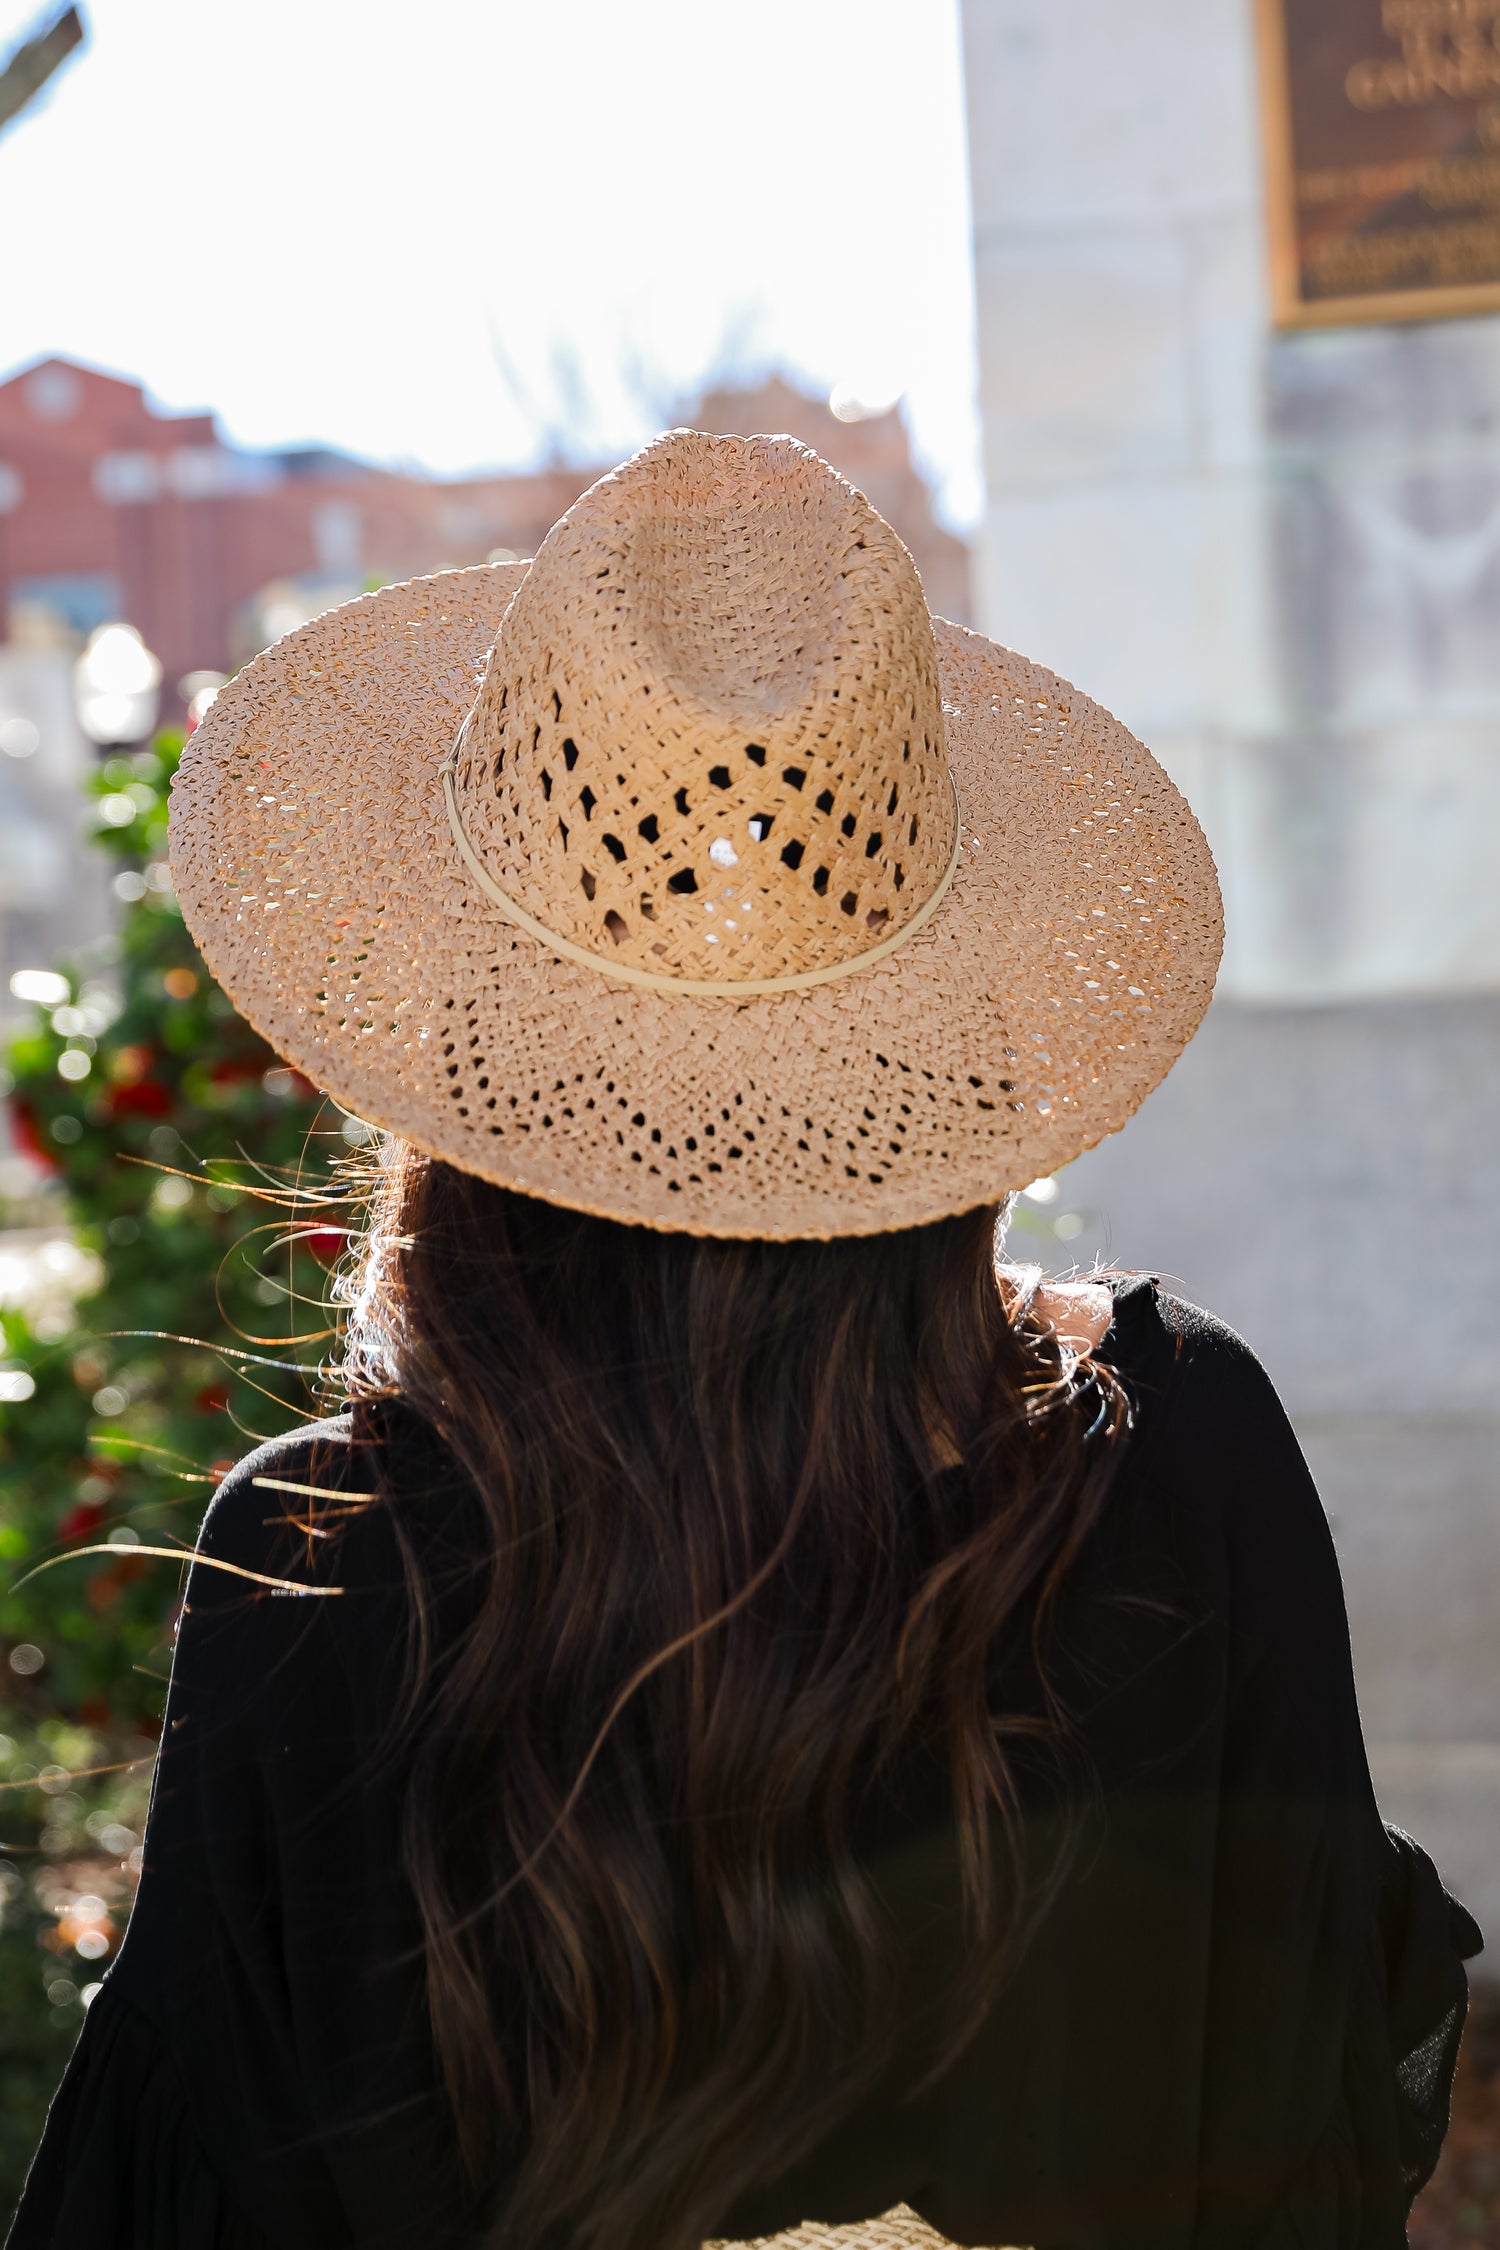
[1067,967]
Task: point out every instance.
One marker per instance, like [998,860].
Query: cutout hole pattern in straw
[732,988]
[709,742]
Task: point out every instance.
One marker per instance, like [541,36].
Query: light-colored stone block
[1390,589]
[1228,314]
[1083,355]
[1100,585]
[1080,110]
[1415,1506]
[1152,597]
[1414,1501]
[1448,1796]
[1357,867]
[1425,389]
[1325,1179]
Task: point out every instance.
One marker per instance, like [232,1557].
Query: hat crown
[708,741]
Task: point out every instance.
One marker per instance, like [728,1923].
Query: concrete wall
[1278,558]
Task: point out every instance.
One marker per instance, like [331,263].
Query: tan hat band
[700,987]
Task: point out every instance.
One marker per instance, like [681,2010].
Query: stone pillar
[1278,559]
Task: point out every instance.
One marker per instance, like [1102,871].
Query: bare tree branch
[546,431]
[574,413]
[33,63]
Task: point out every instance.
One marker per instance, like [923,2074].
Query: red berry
[27,1133]
[81,1521]
[146,1098]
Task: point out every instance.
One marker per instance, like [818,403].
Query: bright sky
[344,220]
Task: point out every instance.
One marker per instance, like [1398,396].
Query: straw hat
[743,896]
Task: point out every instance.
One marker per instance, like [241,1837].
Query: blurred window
[126,478]
[79,599]
[54,394]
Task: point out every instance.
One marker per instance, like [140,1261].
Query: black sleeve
[257,2053]
[1336,1989]
[120,2166]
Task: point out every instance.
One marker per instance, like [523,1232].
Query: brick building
[109,509]
[874,454]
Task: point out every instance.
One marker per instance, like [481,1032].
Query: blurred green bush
[156,1320]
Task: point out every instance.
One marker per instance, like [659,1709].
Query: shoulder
[1130,1317]
[1077,1312]
[1161,1343]
[302,1513]
[1210,1427]
[296,1588]
[1195,1387]
[288,1486]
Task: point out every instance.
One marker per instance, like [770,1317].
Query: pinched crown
[708,742]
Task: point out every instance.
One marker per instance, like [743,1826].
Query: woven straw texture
[684,756]
[896,2229]
[710,734]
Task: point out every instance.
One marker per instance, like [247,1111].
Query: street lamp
[117,687]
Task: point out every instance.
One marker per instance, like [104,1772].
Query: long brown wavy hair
[757,1517]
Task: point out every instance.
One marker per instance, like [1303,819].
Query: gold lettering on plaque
[1383,155]
[1448,47]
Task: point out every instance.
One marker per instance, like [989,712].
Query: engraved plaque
[1382,134]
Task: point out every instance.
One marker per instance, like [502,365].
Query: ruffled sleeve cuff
[1427,1937]
[120,2166]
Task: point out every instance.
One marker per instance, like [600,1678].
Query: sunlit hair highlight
[755,1523]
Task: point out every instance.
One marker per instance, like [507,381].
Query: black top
[1236,2027]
